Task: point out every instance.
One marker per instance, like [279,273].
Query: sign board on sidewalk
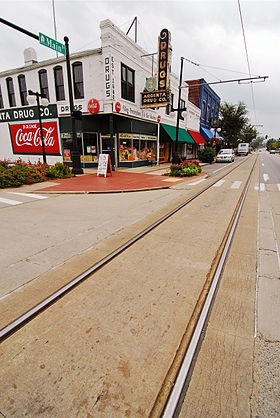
[51,43]
[104,165]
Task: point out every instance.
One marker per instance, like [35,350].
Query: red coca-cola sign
[93,106]
[26,138]
[118,107]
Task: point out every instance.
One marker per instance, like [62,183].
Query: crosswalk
[17,198]
[262,187]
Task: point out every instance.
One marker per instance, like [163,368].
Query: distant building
[107,86]
[204,97]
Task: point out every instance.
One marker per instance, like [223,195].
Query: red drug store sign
[26,138]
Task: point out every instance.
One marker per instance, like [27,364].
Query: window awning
[183,135]
[197,137]
[208,135]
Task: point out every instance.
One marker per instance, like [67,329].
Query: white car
[225,155]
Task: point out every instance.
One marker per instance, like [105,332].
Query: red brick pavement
[119,181]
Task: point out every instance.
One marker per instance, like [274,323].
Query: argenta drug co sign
[26,138]
[160,95]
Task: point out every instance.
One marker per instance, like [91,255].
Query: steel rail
[177,394]
[19,322]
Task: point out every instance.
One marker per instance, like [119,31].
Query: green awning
[183,135]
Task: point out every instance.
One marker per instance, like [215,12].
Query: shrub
[59,170]
[207,155]
[185,169]
[21,172]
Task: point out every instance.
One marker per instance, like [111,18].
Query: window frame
[203,109]
[11,92]
[59,88]
[44,87]
[1,99]
[78,84]
[127,88]
[22,89]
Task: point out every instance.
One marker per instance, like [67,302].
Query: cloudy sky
[208,33]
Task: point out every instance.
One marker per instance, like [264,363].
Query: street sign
[51,43]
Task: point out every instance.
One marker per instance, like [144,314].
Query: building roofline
[41,64]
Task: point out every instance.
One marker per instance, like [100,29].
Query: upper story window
[182,106]
[22,90]
[170,106]
[128,86]
[59,85]
[43,80]
[203,109]
[208,113]
[78,80]
[11,92]
[1,99]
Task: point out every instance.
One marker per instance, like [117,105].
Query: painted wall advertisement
[26,137]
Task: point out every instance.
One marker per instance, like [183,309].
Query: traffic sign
[51,43]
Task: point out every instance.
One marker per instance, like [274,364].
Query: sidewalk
[121,180]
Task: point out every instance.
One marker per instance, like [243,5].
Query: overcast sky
[207,32]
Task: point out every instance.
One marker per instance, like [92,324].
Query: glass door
[105,148]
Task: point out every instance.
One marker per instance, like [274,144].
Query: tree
[233,119]
[248,134]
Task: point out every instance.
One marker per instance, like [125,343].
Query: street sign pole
[75,155]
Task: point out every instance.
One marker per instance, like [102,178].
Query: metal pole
[176,156]
[41,128]
[112,145]
[75,154]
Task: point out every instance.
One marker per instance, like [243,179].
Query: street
[125,323]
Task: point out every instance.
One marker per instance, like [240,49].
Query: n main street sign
[51,43]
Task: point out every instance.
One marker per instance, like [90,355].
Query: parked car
[272,151]
[225,155]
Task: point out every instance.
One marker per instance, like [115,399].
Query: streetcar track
[23,319]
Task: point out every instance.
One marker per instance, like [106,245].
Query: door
[105,146]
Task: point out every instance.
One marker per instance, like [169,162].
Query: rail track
[172,392]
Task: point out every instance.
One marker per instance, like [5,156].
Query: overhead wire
[247,57]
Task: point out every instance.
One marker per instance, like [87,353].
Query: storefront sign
[109,72]
[27,113]
[26,138]
[158,118]
[164,52]
[155,98]
[93,106]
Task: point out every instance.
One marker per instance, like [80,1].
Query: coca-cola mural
[26,138]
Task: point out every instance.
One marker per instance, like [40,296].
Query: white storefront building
[107,86]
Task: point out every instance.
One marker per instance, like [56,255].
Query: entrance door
[105,147]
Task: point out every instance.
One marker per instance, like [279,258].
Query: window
[59,85]
[78,80]
[1,99]
[203,109]
[170,106]
[127,83]
[182,106]
[208,113]
[22,90]
[11,92]
[43,80]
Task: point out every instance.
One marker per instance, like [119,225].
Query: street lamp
[215,130]
[44,102]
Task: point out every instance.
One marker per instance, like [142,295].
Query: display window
[136,147]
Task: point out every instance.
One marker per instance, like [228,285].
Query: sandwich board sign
[104,165]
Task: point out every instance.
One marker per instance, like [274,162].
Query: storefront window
[90,147]
[136,147]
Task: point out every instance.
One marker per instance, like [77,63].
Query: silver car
[225,156]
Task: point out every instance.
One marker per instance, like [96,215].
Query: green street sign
[51,43]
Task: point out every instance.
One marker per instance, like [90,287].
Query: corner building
[107,85]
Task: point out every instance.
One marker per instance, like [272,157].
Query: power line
[247,57]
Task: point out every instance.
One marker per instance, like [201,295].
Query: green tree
[248,134]
[233,120]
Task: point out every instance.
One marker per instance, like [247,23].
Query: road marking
[265,177]
[35,196]
[263,164]
[278,185]
[219,183]
[9,201]
[256,187]
[219,169]
[196,182]
[262,187]
[236,184]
